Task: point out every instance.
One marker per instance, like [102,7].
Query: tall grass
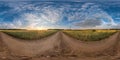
[90,35]
[30,34]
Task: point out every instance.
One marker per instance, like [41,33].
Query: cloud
[35,20]
[9,25]
[40,16]
[51,14]
[86,5]
[104,15]
[93,16]
[54,14]
[89,23]
[116,26]
[21,6]
[81,12]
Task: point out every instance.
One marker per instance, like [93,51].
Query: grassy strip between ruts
[90,35]
[30,34]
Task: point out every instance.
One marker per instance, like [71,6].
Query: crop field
[90,35]
[29,34]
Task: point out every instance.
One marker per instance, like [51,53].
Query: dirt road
[92,48]
[31,48]
[62,47]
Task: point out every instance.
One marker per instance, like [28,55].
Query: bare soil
[59,47]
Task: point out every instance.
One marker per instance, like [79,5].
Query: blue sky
[47,14]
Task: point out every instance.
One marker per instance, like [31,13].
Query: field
[30,34]
[83,35]
[90,35]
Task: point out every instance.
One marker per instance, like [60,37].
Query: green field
[29,34]
[83,35]
[90,35]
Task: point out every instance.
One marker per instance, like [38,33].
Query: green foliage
[90,35]
[30,34]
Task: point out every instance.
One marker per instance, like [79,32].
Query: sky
[59,14]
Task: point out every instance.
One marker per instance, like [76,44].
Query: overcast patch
[89,23]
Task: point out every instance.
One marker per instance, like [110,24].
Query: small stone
[47,56]
[3,57]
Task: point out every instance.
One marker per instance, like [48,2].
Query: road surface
[61,47]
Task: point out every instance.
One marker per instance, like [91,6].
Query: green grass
[90,35]
[30,34]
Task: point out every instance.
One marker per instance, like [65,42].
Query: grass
[90,35]
[30,34]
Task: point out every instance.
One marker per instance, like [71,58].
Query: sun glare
[36,28]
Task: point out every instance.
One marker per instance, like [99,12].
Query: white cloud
[37,20]
[103,14]
[44,15]
[81,12]
[51,14]
[7,25]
